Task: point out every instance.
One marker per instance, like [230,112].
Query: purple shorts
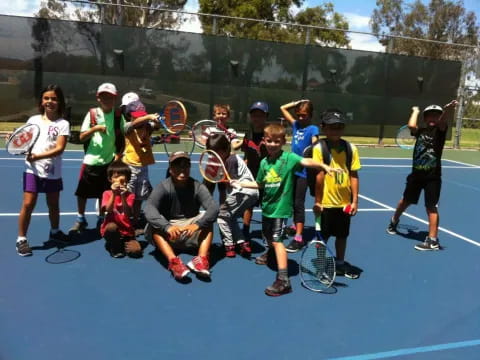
[34,184]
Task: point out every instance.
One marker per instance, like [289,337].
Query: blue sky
[356,11]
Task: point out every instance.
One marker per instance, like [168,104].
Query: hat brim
[107,92]
[257,108]
[137,114]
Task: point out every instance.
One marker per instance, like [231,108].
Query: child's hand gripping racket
[204,128]
[317,264]
[22,140]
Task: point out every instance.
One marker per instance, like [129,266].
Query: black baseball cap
[333,117]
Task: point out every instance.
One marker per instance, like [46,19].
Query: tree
[116,14]
[274,10]
[440,20]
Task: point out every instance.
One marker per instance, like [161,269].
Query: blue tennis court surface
[406,304]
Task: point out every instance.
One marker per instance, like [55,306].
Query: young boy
[100,152]
[236,199]
[276,177]
[138,151]
[426,172]
[117,204]
[174,219]
[254,151]
[304,134]
[335,193]
[221,115]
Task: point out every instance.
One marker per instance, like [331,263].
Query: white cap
[108,88]
[433,108]
[129,97]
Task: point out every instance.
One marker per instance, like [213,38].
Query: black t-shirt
[427,153]
[254,150]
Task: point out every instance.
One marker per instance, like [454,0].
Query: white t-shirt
[50,168]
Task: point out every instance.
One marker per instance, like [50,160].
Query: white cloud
[19,7]
[365,42]
[357,22]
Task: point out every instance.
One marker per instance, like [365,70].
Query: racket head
[201,130]
[62,256]
[174,116]
[22,140]
[211,167]
[180,141]
[405,139]
[317,266]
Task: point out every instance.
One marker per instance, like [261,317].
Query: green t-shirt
[101,149]
[277,178]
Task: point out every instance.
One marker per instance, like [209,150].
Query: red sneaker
[230,251]
[200,265]
[245,249]
[178,268]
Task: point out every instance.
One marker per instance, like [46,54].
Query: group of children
[115,171]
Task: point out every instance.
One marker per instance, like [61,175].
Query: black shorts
[93,181]
[334,222]
[272,229]
[431,186]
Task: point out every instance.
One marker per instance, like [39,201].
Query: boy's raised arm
[413,120]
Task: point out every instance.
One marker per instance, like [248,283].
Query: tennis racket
[22,140]
[405,139]
[204,128]
[173,117]
[212,167]
[180,141]
[317,264]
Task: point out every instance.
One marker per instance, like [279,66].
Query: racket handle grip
[318,219]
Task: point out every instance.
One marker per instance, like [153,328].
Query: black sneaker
[23,249]
[59,237]
[346,270]
[428,245]
[279,287]
[294,246]
[392,227]
[79,226]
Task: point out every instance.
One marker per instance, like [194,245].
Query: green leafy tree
[274,10]
[440,20]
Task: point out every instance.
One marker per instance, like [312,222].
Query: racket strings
[317,267]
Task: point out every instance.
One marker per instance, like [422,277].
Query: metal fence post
[460,109]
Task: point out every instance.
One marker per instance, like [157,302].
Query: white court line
[421,220]
[461,163]
[72,213]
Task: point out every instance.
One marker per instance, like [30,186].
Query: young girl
[43,166]
[304,134]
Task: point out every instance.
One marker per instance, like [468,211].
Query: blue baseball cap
[259,105]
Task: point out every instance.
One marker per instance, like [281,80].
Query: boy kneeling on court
[117,204]
[175,221]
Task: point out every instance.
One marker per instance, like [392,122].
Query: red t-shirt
[117,216]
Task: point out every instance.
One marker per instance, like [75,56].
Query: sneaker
[178,268]
[346,270]
[428,245]
[200,265]
[23,249]
[245,249]
[263,259]
[59,237]
[79,226]
[392,227]
[230,251]
[294,246]
[278,288]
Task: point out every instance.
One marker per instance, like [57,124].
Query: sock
[54,231]
[298,238]
[434,239]
[21,238]
[340,262]
[81,217]
[246,229]
[283,274]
